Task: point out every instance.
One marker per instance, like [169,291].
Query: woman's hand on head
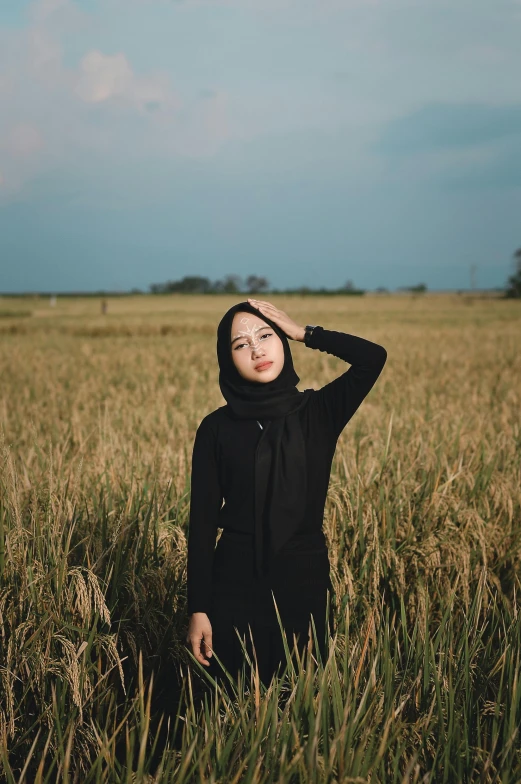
[291,329]
[200,637]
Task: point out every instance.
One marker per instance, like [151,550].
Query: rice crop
[422,682]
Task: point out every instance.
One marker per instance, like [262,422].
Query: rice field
[423,519]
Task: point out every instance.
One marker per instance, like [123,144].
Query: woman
[268,454]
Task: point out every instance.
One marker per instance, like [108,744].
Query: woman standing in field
[268,454]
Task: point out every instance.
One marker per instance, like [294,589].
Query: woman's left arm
[339,399]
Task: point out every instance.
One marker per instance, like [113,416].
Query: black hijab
[280,455]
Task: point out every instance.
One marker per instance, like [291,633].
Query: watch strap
[308,331]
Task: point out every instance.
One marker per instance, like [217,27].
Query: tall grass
[423,519]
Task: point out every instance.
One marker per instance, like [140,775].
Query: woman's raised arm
[338,400]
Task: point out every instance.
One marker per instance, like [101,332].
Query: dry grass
[423,520]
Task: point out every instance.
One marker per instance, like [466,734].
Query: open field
[98,415]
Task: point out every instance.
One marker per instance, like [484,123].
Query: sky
[308,141]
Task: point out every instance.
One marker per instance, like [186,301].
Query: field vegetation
[423,519]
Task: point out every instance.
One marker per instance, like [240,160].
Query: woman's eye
[266,335]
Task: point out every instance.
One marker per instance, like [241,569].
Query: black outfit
[225,581]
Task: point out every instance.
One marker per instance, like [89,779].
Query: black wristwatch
[308,331]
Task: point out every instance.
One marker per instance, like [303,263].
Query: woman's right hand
[200,637]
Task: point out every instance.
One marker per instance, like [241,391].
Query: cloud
[43,9]
[259,6]
[444,126]
[232,71]
[455,147]
[104,78]
[57,110]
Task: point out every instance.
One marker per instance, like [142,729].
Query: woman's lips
[264,366]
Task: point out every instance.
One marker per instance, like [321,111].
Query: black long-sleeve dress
[222,580]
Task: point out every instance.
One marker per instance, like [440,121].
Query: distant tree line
[235,284]
[257,284]
[197,284]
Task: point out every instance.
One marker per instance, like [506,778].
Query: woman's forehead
[246,322]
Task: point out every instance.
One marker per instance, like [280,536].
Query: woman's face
[253,344]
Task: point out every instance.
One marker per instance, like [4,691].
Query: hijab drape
[280,456]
